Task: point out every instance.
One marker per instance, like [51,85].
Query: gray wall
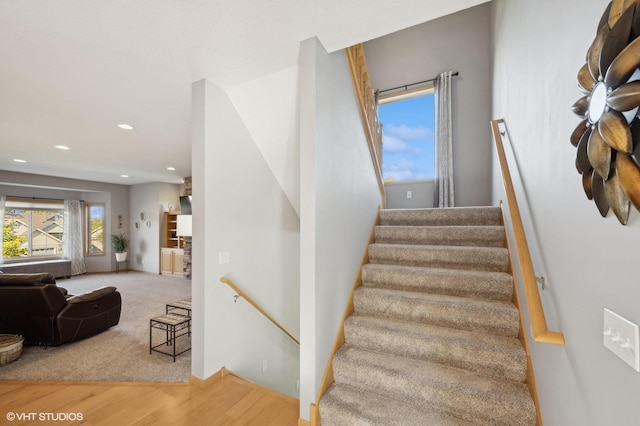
[590,261]
[115,197]
[338,205]
[145,242]
[458,42]
[410,195]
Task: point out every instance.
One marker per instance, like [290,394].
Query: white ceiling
[70,71]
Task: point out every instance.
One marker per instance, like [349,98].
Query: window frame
[86,228]
[404,95]
[33,204]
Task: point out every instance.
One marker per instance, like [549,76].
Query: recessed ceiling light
[124,176]
[62,147]
[18,160]
[125,126]
[171,168]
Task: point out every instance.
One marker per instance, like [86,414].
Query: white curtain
[72,236]
[444,156]
[2,204]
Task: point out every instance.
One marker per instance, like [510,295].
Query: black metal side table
[184,304]
[175,325]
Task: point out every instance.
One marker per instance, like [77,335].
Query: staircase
[433,339]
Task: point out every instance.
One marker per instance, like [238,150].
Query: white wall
[458,42]
[590,260]
[338,205]
[115,197]
[239,208]
[268,107]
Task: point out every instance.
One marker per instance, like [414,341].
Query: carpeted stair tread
[433,338]
[474,258]
[346,405]
[483,236]
[455,282]
[487,316]
[492,355]
[470,396]
[442,216]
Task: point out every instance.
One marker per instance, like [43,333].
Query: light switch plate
[409,194]
[223,257]
[620,336]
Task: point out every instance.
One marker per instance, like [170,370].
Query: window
[408,126]
[32,228]
[94,229]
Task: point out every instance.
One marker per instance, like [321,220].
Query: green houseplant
[120,243]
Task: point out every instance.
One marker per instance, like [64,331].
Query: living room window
[94,229]
[32,228]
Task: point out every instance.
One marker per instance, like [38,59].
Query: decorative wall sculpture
[608,137]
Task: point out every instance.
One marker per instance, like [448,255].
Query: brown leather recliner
[33,306]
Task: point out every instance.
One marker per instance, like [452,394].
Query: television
[185,204]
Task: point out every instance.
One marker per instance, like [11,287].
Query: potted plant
[119,243]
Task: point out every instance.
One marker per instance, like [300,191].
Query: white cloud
[407,132]
[393,144]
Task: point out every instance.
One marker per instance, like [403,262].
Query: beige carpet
[433,336]
[120,353]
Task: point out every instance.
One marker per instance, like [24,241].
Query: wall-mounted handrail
[368,108]
[242,294]
[534,304]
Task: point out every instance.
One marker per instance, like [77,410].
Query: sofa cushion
[26,279]
[92,295]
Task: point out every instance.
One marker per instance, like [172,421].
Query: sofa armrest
[88,314]
[92,296]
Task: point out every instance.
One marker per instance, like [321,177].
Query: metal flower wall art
[608,137]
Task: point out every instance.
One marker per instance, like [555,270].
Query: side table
[184,304]
[172,324]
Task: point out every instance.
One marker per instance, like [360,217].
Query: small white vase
[121,257]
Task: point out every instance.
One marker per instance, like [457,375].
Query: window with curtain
[32,229]
[408,126]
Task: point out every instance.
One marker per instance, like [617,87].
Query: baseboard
[314,415]
[214,378]
[258,386]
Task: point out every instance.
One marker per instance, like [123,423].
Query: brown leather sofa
[33,306]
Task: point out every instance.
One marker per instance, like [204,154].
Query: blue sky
[408,129]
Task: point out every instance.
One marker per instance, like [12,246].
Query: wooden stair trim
[327,378]
[368,110]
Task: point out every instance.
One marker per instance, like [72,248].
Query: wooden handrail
[536,312]
[368,109]
[242,294]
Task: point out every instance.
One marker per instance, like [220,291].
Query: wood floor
[228,401]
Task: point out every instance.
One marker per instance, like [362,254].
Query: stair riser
[455,353]
[479,259]
[343,405]
[448,236]
[480,407]
[459,316]
[489,216]
[439,282]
